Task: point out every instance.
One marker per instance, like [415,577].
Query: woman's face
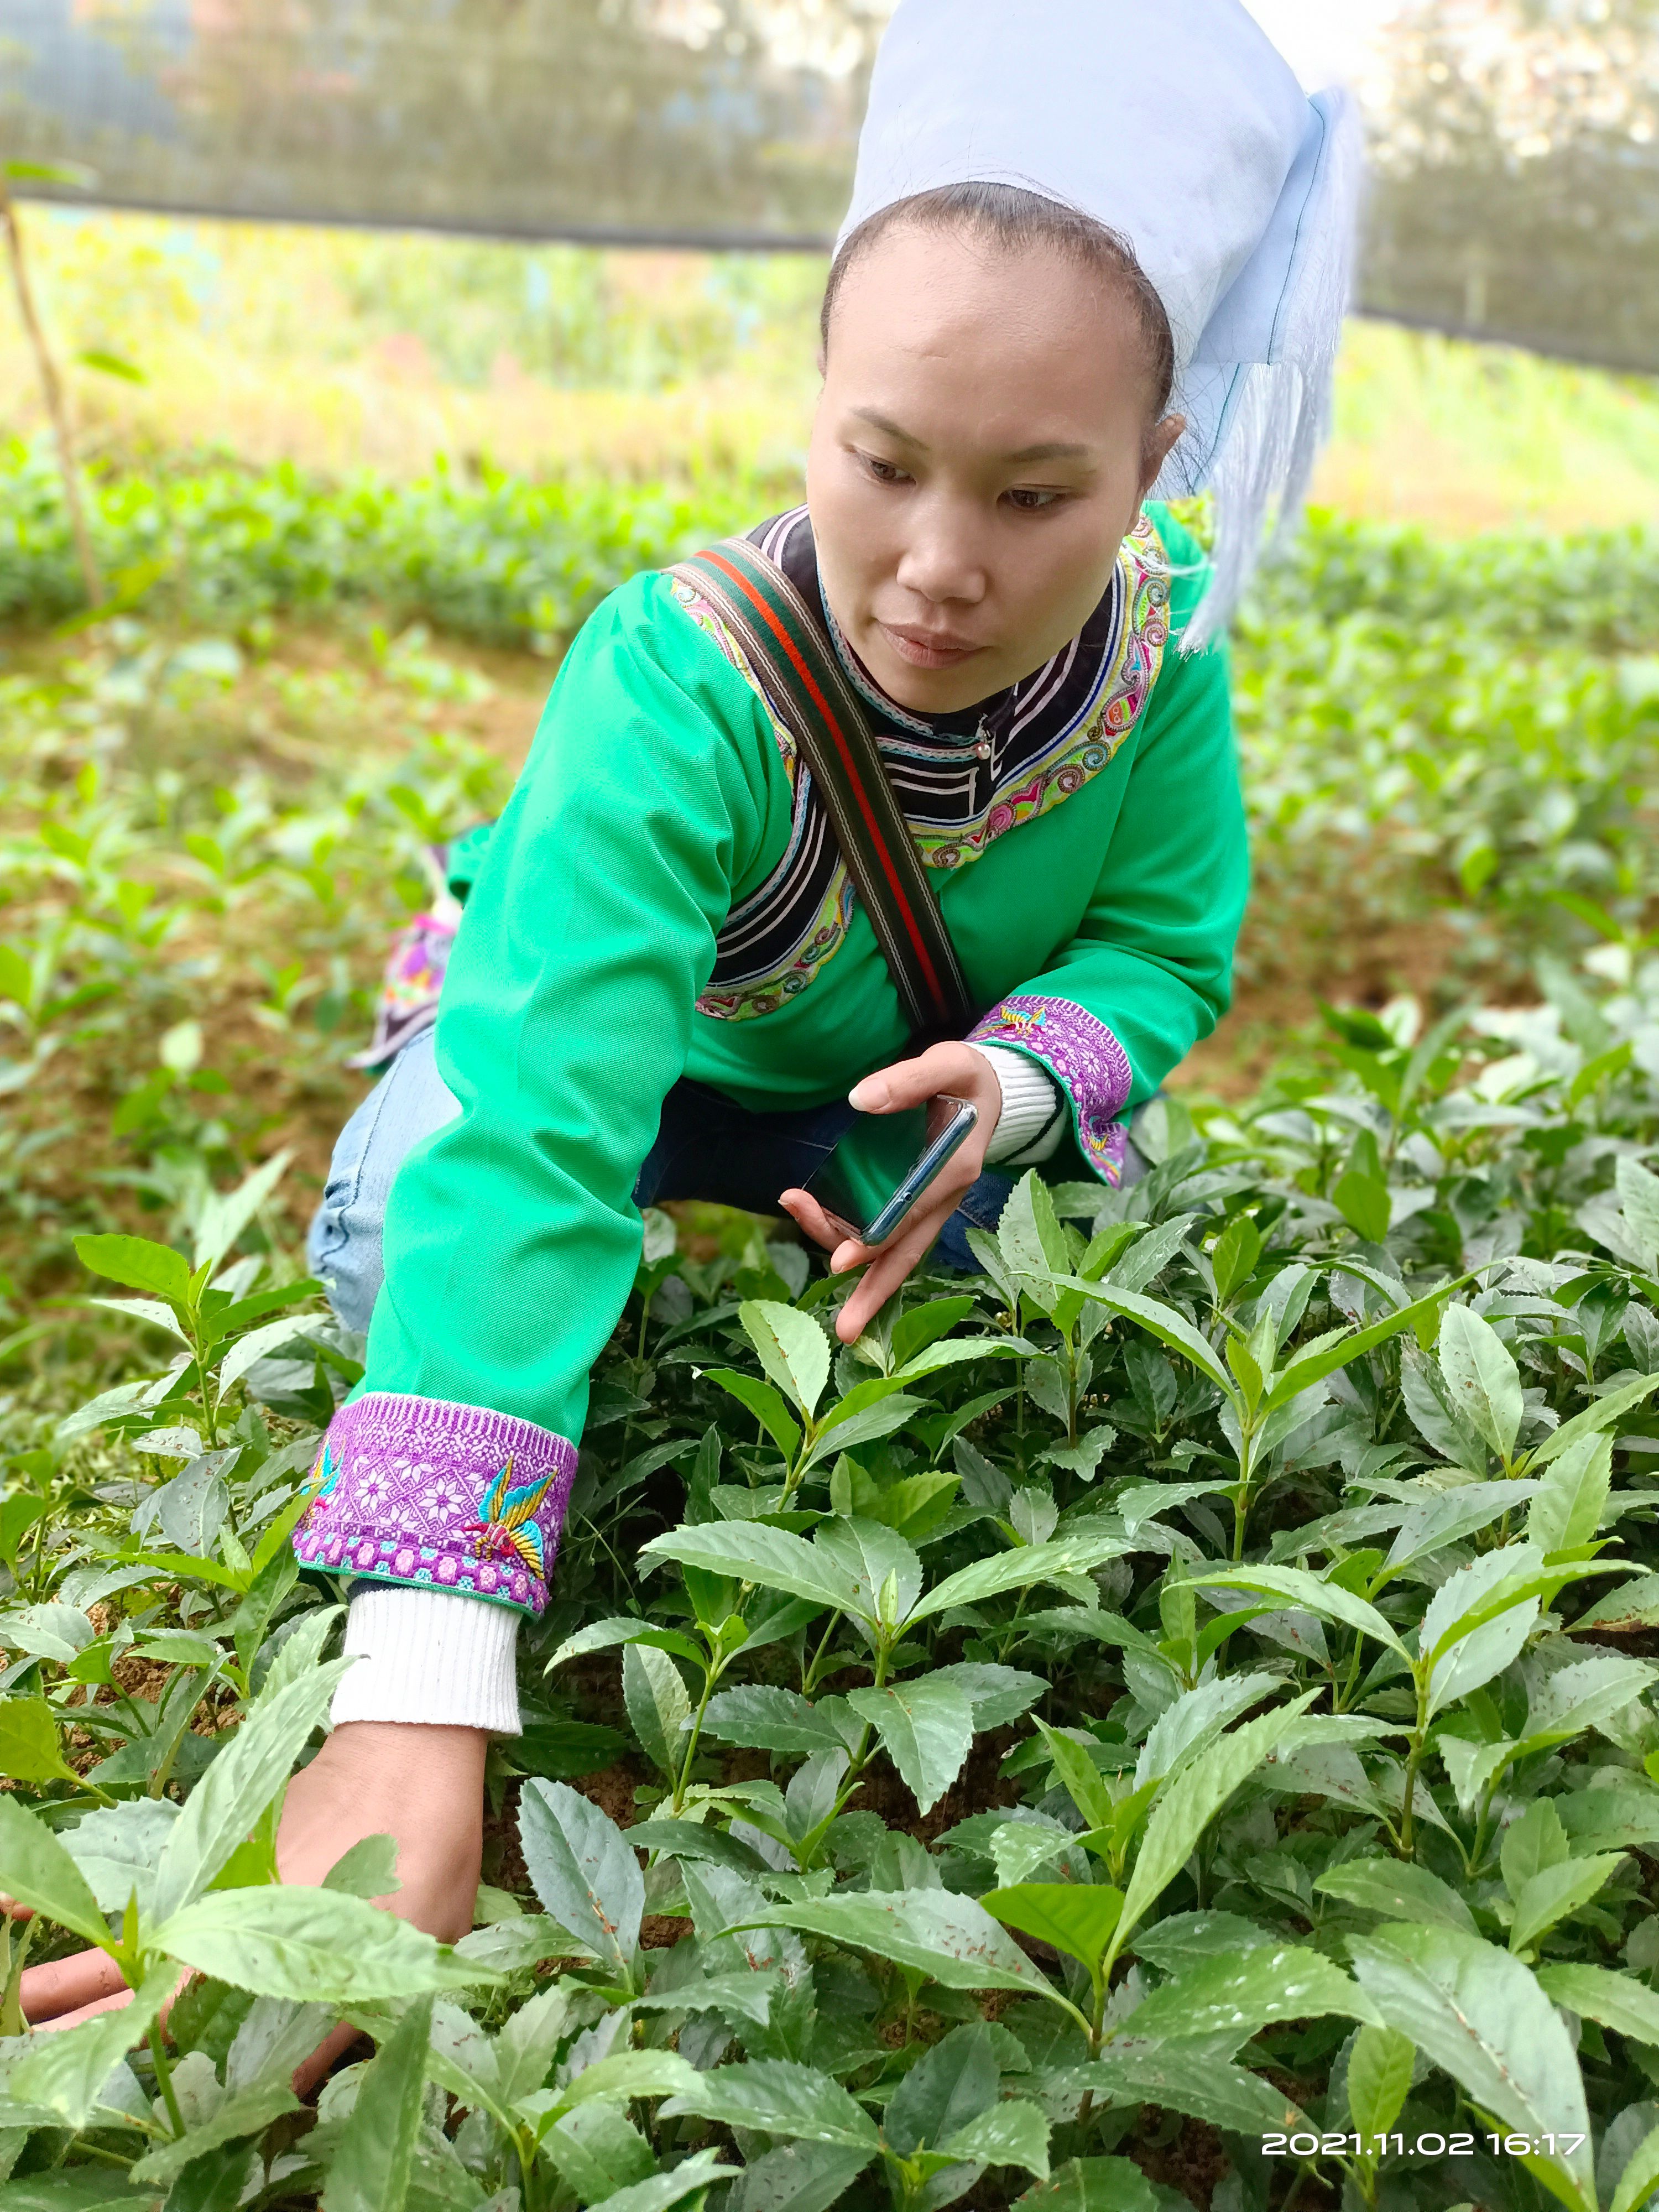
[980,449]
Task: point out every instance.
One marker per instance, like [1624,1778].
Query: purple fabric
[1084,1058]
[417,1490]
[410,988]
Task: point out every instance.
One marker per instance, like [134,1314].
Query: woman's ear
[1161,442]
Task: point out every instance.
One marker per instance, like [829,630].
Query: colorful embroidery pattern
[1046,737]
[1085,1059]
[418,1490]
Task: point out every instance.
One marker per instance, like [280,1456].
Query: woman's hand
[423,1786]
[950,1071]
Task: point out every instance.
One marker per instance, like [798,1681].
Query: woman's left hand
[949,1071]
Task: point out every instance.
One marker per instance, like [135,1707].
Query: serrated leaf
[654,1692]
[749,1552]
[1396,1889]
[29,1750]
[311,1945]
[1238,1994]
[1021,1569]
[793,1350]
[691,2177]
[138,1263]
[582,1870]
[1165,1322]
[1617,2000]
[1567,1511]
[1178,1820]
[926,1729]
[1195,2078]
[40,1873]
[1294,1586]
[246,2112]
[766,1719]
[778,2098]
[798,2177]
[1380,2067]
[117,1849]
[1481,2015]
[950,1938]
[1640,2175]
[1077,1917]
[766,1403]
[64,2069]
[248,1773]
[1012,2133]
[1555,1892]
[950,2084]
[1481,1377]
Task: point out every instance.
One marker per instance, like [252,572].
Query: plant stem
[52,391]
[164,2080]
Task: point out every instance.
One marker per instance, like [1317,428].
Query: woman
[1085,257]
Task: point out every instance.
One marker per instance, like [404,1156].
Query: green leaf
[244,2113]
[778,2098]
[1567,1510]
[692,2177]
[1482,2016]
[117,1850]
[770,1719]
[1477,1622]
[793,1347]
[1074,1917]
[1192,1801]
[311,1945]
[138,1263]
[1605,1413]
[40,1873]
[1313,1366]
[798,2177]
[1093,2184]
[29,1750]
[1196,2078]
[582,1870]
[764,1403]
[63,2072]
[952,2082]
[1294,1586]
[1169,1326]
[751,1553]
[948,1938]
[597,2150]
[1380,2067]
[1079,1777]
[1020,1569]
[1555,1892]
[241,1782]
[1234,1256]
[1631,1605]
[369,1869]
[1238,1993]
[1397,1890]
[627,2074]
[225,1216]
[926,1729]
[528,2043]
[1481,1377]
[1616,2001]
[1640,2176]
[654,1691]
[110,364]
[1363,1202]
[1014,2133]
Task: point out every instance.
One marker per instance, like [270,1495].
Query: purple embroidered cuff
[1084,1058]
[454,1498]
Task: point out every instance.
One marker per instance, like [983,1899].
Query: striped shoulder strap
[810,692]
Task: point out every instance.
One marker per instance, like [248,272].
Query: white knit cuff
[1033,1115]
[431,1658]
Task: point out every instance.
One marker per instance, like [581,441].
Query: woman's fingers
[61,2020]
[68,1985]
[812,1217]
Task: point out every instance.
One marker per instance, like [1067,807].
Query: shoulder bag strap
[808,690]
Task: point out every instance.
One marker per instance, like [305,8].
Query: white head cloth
[1181,128]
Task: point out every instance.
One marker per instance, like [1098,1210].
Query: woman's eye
[883,471]
[1031,502]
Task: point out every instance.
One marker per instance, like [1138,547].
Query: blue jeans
[707,1147]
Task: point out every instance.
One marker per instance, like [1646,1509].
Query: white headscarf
[1181,127]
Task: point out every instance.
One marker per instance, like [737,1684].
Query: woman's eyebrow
[888,429]
[1054,450]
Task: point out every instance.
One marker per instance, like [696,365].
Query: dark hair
[1018,220]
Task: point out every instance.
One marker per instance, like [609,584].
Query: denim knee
[343,1248]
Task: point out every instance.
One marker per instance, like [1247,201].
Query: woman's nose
[941,560]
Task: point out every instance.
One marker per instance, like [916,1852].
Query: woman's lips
[924,648]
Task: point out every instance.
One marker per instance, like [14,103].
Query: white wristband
[1033,1115]
[431,1658]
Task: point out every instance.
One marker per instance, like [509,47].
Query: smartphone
[951,1121]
